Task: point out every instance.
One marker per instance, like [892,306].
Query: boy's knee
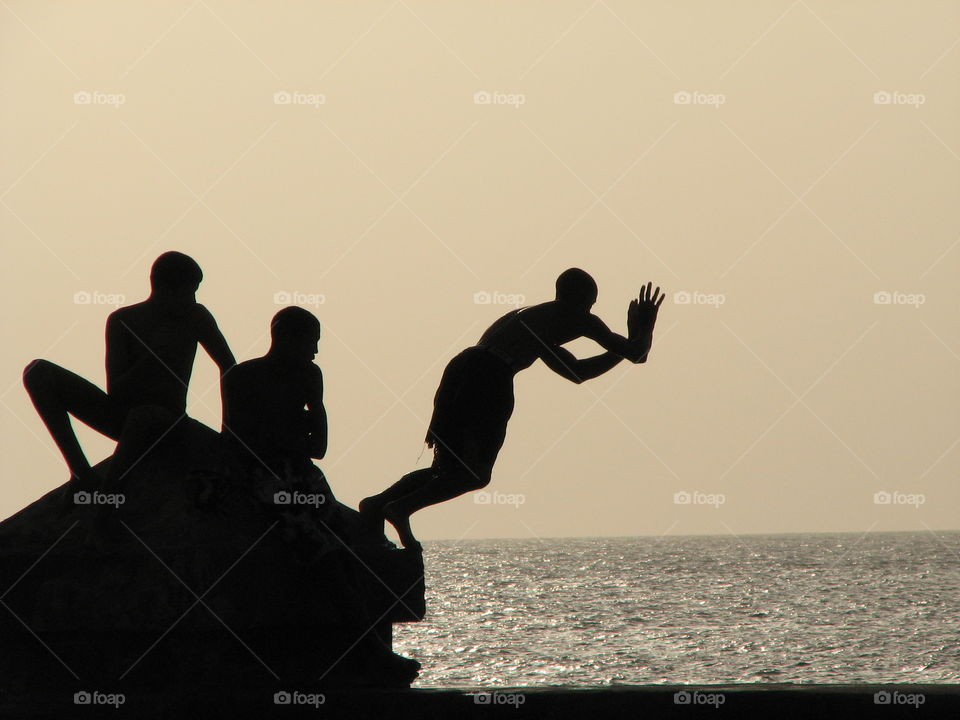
[473,478]
[36,373]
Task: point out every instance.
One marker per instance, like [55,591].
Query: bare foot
[72,492]
[401,524]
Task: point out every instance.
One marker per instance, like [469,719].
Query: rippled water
[881,607]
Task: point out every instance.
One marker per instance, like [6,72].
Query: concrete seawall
[648,701]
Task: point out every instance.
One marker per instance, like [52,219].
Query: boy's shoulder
[266,365]
[127,312]
[246,370]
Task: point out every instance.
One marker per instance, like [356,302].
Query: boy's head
[575,287]
[175,277]
[294,334]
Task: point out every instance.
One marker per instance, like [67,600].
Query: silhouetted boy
[275,424]
[273,411]
[475,398]
[150,349]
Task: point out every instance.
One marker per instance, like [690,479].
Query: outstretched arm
[565,364]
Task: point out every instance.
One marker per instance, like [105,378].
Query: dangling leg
[371,508]
[454,476]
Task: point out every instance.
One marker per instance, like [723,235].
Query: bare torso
[526,333]
[150,354]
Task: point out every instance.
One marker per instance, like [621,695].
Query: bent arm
[213,341]
[565,364]
[316,416]
[632,349]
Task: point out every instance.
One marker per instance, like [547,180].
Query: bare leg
[442,486]
[58,393]
[371,508]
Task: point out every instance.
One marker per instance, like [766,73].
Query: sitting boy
[150,349]
[274,422]
[273,412]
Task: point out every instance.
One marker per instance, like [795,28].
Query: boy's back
[263,408]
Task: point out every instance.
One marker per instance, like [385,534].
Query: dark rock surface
[199,575]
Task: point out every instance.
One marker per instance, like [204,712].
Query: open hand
[642,313]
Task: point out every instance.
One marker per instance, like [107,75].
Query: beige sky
[735,154]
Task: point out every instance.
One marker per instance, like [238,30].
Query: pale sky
[776,163]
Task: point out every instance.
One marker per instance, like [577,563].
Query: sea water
[843,608]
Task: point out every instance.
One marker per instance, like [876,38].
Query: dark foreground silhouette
[190,553]
[150,348]
[475,398]
[246,588]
